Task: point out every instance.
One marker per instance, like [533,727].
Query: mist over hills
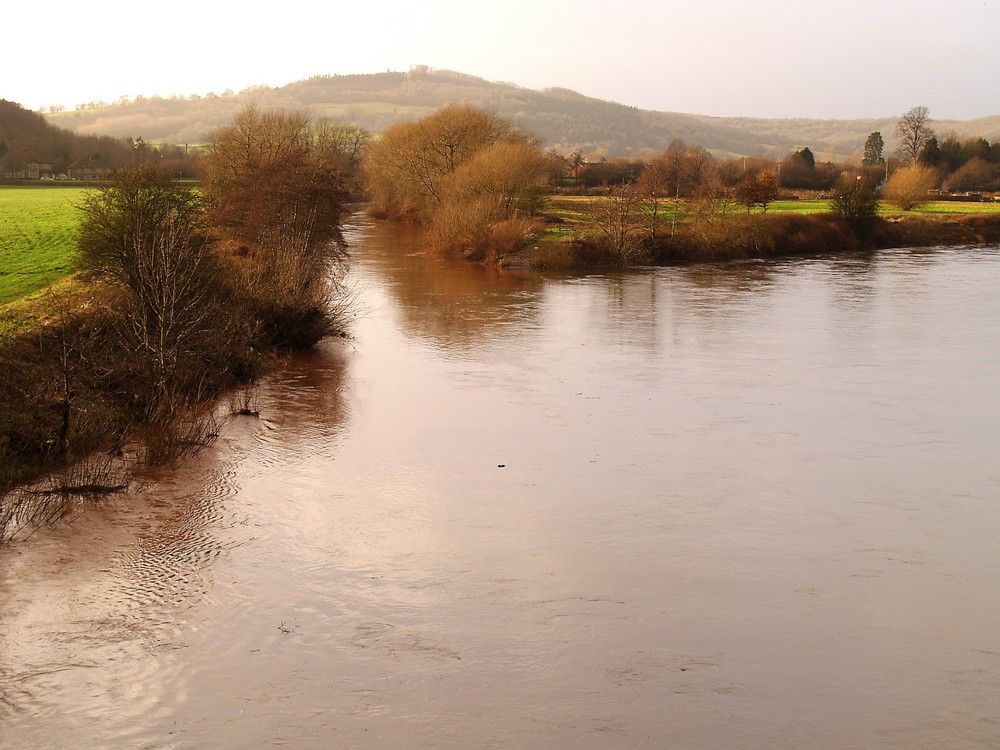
[563,119]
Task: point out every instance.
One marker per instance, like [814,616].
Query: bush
[468,174]
[566,254]
[489,200]
[908,187]
[275,192]
[855,203]
[477,232]
[146,235]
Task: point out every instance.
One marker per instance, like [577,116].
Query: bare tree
[275,186]
[654,186]
[700,167]
[617,222]
[145,234]
[914,130]
[168,310]
[674,165]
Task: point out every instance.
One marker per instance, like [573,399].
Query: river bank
[574,243]
[180,299]
[74,419]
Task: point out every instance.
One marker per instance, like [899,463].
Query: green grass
[949,208]
[38,227]
[934,208]
[810,206]
[570,215]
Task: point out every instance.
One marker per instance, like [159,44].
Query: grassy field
[934,208]
[572,212]
[37,237]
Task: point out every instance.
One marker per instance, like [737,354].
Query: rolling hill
[563,119]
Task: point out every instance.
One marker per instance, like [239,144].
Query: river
[752,505]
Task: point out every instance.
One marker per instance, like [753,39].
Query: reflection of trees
[729,283]
[709,297]
[453,302]
[636,306]
[461,304]
[629,308]
[305,398]
[854,283]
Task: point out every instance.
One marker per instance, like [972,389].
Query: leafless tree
[616,220]
[654,187]
[914,130]
[145,234]
[274,185]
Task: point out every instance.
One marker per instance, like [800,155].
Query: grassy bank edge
[567,240]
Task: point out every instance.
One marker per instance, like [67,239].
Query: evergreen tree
[873,149]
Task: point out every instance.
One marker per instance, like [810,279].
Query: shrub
[909,186]
[856,204]
[276,193]
[146,235]
[468,174]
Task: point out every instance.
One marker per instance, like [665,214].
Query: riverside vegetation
[182,294]
[627,227]
[480,186]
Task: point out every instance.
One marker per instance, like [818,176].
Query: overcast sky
[769,58]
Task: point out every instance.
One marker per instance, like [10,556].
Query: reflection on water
[450,302]
[749,505]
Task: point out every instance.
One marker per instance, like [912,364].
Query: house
[15,168]
[89,169]
[36,170]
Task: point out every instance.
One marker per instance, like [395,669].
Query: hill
[27,135]
[564,119]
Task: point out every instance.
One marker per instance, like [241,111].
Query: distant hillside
[26,136]
[564,119]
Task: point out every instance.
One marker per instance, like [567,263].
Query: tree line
[26,136]
[477,182]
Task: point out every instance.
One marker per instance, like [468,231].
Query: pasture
[38,227]
[572,211]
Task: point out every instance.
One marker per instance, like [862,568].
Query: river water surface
[752,505]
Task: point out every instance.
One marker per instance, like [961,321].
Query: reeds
[25,510]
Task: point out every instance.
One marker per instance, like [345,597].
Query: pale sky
[769,58]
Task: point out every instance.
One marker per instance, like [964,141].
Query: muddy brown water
[753,505]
